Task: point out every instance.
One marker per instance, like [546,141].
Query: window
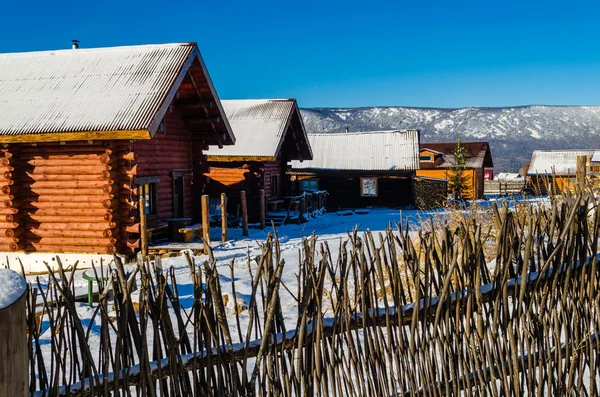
[309,185]
[149,193]
[425,158]
[368,187]
[274,185]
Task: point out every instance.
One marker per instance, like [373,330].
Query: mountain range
[513,132]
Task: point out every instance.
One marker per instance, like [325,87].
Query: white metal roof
[259,126]
[561,162]
[99,89]
[363,151]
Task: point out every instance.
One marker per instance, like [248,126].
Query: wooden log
[13,345]
[223,217]
[10,189]
[8,211]
[70,184]
[8,225]
[34,198]
[98,157]
[69,205]
[69,170]
[30,178]
[75,161]
[66,149]
[13,217]
[13,232]
[66,218]
[11,203]
[70,192]
[263,204]
[67,226]
[61,248]
[581,171]
[8,240]
[67,212]
[205,223]
[135,228]
[43,233]
[73,241]
[244,213]
[143,226]
[135,244]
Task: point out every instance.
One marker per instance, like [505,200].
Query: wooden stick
[223,217]
[143,224]
[244,213]
[205,223]
[262,209]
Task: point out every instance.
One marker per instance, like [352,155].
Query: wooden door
[178,208]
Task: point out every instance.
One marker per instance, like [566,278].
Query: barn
[436,161]
[270,133]
[86,133]
[361,169]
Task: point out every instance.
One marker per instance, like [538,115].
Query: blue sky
[351,53]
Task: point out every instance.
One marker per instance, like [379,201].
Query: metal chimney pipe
[75,44]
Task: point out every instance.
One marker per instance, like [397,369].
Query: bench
[158,230]
[189,232]
[274,204]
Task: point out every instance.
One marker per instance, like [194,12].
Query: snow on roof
[596,157]
[562,162]
[13,286]
[368,151]
[97,89]
[259,126]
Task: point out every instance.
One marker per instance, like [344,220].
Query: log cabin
[86,132]
[557,169]
[270,133]
[361,169]
[436,162]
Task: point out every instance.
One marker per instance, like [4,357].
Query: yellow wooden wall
[439,173]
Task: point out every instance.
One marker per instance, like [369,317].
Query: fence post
[262,209]
[14,370]
[244,213]
[143,222]
[223,217]
[205,223]
[581,171]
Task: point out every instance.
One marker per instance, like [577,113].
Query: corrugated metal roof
[363,151]
[562,162]
[478,154]
[100,89]
[259,126]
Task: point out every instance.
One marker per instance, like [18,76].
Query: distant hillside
[513,132]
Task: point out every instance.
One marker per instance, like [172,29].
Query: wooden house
[436,162]
[270,134]
[361,169]
[556,168]
[86,132]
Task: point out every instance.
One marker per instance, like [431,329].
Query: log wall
[274,169]
[170,150]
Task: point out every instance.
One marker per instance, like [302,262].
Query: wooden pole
[244,213]
[205,223]
[581,171]
[143,222]
[14,371]
[262,209]
[223,217]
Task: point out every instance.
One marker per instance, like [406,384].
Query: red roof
[478,154]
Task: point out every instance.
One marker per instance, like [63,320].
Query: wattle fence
[504,302]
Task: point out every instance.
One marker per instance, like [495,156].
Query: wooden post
[244,213]
[581,171]
[223,217]
[14,370]
[205,223]
[143,222]
[263,214]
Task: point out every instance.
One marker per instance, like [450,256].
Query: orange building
[435,160]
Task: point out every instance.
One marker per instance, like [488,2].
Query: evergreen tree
[457,178]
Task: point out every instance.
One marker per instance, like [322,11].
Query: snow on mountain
[513,132]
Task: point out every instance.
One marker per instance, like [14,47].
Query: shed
[270,133]
[436,161]
[86,132]
[556,167]
[361,169]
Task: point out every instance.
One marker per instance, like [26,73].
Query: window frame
[364,179]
